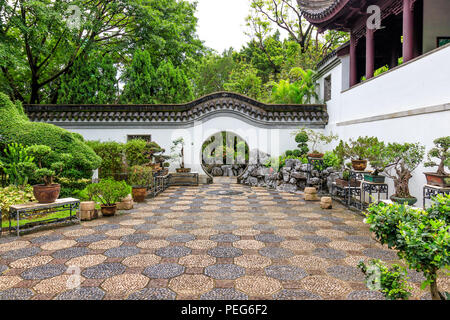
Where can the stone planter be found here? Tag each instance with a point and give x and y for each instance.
(311, 194)
(87, 211)
(437, 180)
(126, 204)
(46, 194)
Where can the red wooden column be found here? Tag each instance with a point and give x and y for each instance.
(370, 53)
(353, 62)
(408, 30)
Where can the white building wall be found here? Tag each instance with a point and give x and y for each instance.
(272, 141)
(422, 84)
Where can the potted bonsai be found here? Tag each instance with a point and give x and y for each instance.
(178, 149)
(375, 154)
(49, 166)
(109, 192)
(400, 160)
(441, 152)
(316, 138)
(357, 151)
(140, 179)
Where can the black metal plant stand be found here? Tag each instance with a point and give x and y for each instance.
(430, 191)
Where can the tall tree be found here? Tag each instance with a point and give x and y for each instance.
(244, 79)
(213, 72)
(40, 41)
(172, 85)
(139, 80)
(286, 15)
(90, 83)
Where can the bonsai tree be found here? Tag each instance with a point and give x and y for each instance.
(359, 149)
(375, 154)
(302, 139)
(316, 138)
(400, 160)
(49, 165)
(441, 151)
(140, 176)
(421, 238)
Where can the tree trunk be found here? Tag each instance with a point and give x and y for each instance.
(435, 294)
(34, 97)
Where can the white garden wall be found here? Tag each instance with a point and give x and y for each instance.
(410, 103)
(272, 141)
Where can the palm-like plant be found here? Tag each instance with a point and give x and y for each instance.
(301, 91)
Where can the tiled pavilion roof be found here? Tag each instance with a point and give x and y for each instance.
(204, 108)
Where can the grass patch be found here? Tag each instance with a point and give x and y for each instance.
(56, 215)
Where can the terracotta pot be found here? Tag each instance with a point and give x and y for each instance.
(108, 211)
(437, 180)
(46, 194)
(359, 165)
(139, 194)
(315, 155)
(183, 170)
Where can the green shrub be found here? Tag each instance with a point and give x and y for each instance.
(135, 152)
(112, 157)
(14, 195)
(17, 164)
(108, 192)
(422, 240)
(140, 176)
(330, 159)
(70, 187)
(390, 281)
(302, 139)
(15, 127)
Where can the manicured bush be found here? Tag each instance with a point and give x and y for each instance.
(135, 152)
(15, 127)
(70, 187)
(112, 157)
(302, 139)
(422, 238)
(140, 176)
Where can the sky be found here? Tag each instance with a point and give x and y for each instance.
(222, 23)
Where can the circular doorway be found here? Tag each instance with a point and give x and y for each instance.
(225, 154)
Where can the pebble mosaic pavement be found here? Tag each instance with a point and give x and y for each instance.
(202, 243)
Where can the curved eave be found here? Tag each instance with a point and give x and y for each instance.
(324, 18)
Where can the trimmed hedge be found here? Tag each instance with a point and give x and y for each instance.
(16, 127)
